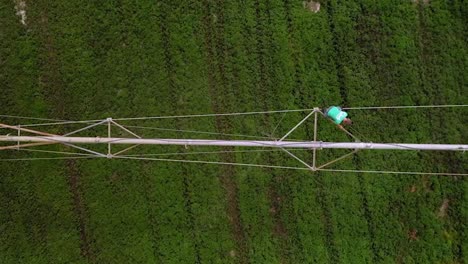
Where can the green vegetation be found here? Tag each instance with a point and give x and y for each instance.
(79, 60)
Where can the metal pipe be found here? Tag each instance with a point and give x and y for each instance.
(235, 143)
(314, 154)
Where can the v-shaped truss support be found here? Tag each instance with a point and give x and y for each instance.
(43, 138)
(111, 122)
(50, 138)
(316, 111)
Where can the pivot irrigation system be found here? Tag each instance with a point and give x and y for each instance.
(40, 138)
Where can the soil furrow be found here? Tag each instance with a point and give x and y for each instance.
(339, 54)
(215, 40)
(54, 92)
(367, 215)
(323, 201)
(50, 79)
(329, 230)
(264, 37)
(188, 209)
(294, 47)
(74, 181)
(148, 188)
(172, 75)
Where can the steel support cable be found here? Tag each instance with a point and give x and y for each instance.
(72, 145)
(124, 128)
(31, 118)
(285, 111)
(338, 159)
(58, 121)
(354, 130)
(341, 127)
(213, 115)
(149, 128)
(248, 165)
(212, 162)
(294, 168)
(390, 144)
(213, 152)
(16, 147)
(393, 172)
(63, 122)
(401, 107)
(53, 158)
(397, 172)
(276, 127)
(55, 152)
(230, 114)
(124, 150)
(298, 159)
(197, 132)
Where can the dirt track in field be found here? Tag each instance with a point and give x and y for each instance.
(213, 41)
(53, 88)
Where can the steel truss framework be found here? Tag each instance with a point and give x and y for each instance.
(43, 138)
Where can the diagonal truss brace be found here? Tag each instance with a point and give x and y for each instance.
(298, 159)
(110, 121)
(300, 123)
(51, 139)
(46, 138)
(315, 112)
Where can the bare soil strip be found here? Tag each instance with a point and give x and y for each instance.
(54, 91)
(171, 73)
(50, 78)
(148, 188)
(188, 209)
(214, 41)
(265, 74)
(79, 207)
(367, 216)
(324, 202)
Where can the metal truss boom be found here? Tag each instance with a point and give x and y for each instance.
(42, 138)
(233, 143)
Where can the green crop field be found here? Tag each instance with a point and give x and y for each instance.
(82, 60)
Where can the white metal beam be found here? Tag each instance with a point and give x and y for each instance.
(234, 143)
